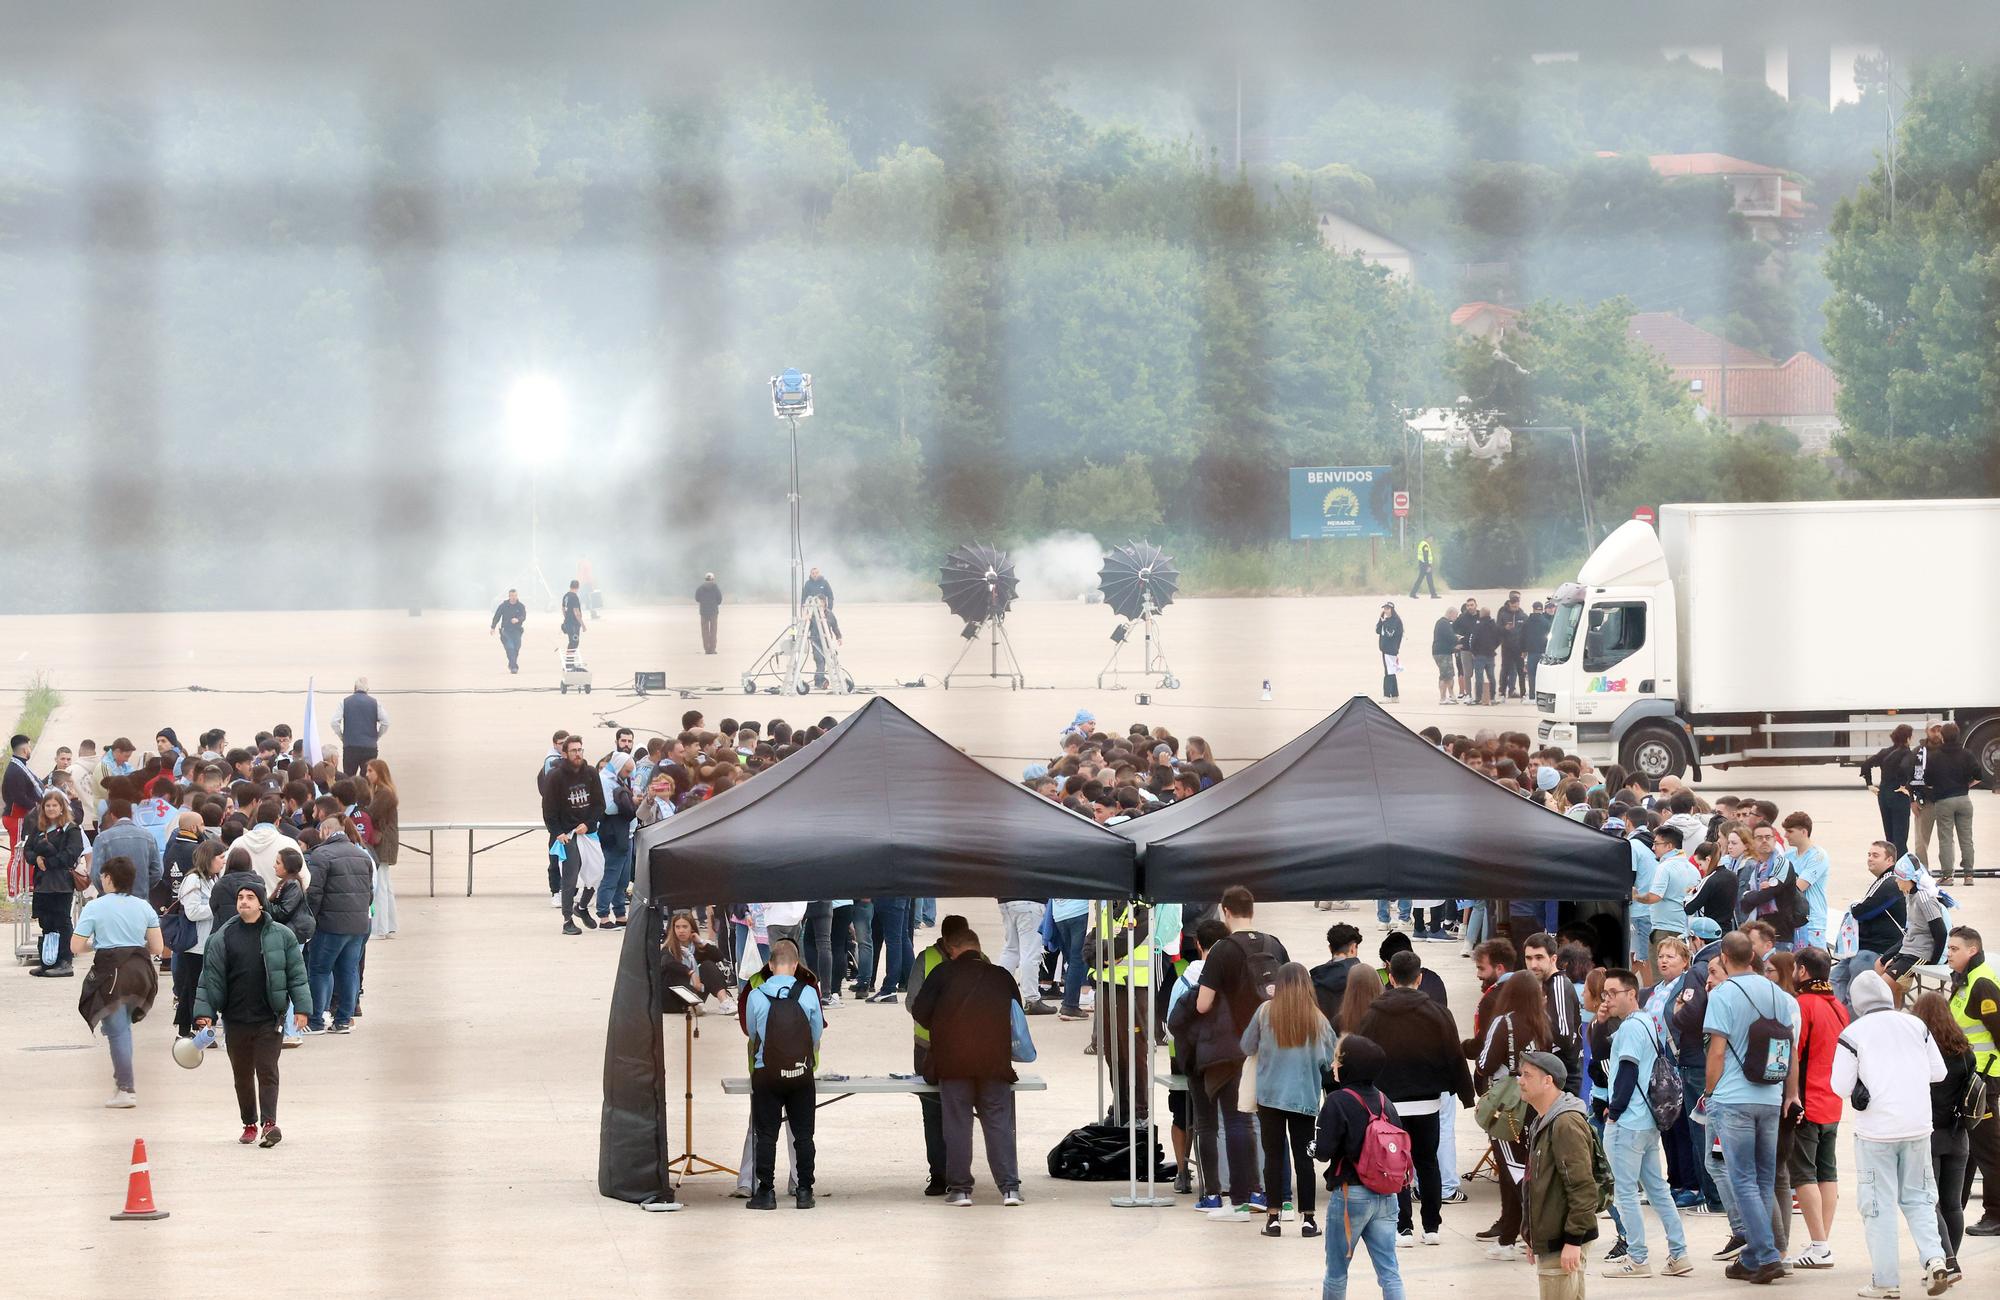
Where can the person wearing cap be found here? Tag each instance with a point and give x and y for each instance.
(1560, 1213)
(1389, 640)
(509, 618)
(708, 600)
(251, 971)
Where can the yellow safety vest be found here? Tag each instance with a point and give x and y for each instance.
(1984, 1057)
(1425, 555)
(1135, 968)
(928, 961)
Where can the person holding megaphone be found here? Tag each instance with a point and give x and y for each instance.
(251, 969)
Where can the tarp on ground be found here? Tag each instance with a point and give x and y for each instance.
(881, 806)
(1360, 806)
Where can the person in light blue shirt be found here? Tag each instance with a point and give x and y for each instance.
(1674, 881)
(1644, 864)
(1633, 1142)
(1809, 860)
(1742, 1113)
(781, 1092)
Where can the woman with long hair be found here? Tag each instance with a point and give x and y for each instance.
(1517, 1023)
(52, 854)
(681, 952)
(1951, 1147)
(1364, 985)
(385, 819)
(194, 902)
(1293, 1045)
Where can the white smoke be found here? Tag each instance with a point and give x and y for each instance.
(1061, 566)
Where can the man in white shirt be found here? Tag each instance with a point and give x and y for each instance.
(781, 921)
(1884, 1066)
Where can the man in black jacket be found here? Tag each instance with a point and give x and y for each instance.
(1330, 977)
(967, 1005)
(1538, 955)
(1535, 639)
(1423, 1072)
(509, 618)
(708, 600)
(1949, 775)
(1468, 618)
(342, 890)
(572, 805)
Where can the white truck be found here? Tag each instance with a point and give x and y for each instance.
(1753, 634)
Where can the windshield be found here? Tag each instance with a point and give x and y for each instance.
(1562, 633)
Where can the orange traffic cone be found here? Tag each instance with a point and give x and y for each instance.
(139, 1187)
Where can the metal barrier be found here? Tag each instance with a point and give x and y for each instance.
(472, 849)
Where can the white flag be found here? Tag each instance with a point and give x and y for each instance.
(311, 726)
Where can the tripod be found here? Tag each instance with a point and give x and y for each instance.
(996, 627)
(688, 1162)
(784, 660)
(1156, 650)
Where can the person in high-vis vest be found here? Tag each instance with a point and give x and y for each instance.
(1426, 567)
(921, 967)
(1975, 1005)
(1126, 967)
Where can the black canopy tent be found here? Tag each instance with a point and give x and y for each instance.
(880, 805)
(1362, 807)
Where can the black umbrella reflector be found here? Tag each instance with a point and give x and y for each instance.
(978, 582)
(1136, 576)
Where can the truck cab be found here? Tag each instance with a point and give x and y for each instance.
(1607, 686)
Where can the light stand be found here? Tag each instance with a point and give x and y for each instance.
(688, 1163)
(783, 662)
(1155, 661)
(996, 630)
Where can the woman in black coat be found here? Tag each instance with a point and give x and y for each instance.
(52, 853)
(1389, 640)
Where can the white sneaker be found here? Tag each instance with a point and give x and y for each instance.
(1880, 1293)
(1812, 1257)
(832, 1003)
(1940, 1278)
(1288, 1213)
(122, 1100)
(555, 900)
(1429, 1239)
(1405, 1240)
(1012, 1197)
(1499, 1252)
(1627, 1267)
(1233, 1213)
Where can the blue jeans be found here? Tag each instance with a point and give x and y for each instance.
(1635, 1163)
(1069, 942)
(1371, 1218)
(333, 972)
(1382, 910)
(926, 911)
(1597, 1126)
(1447, 1147)
(1750, 1155)
(862, 917)
(895, 917)
(1476, 929)
(118, 1033)
(1892, 1176)
(615, 834)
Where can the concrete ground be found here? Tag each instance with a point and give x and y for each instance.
(450, 1143)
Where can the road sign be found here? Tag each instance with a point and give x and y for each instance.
(1644, 514)
(1402, 504)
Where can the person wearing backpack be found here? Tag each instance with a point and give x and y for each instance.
(1645, 1090)
(1954, 1112)
(1293, 1045)
(1358, 1135)
(1238, 975)
(782, 1016)
(1885, 1064)
(1565, 1188)
(1424, 1074)
(1816, 1111)
(1750, 1024)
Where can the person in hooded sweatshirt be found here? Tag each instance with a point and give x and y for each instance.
(263, 841)
(1329, 978)
(1423, 1072)
(1884, 1068)
(1355, 1214)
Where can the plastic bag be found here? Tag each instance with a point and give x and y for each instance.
(590, 861)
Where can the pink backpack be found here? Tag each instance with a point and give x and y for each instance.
(1385, 1166)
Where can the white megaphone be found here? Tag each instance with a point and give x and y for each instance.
(188, 1052)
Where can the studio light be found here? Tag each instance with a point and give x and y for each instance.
(977, 583)
(1138, 581)
(1118, 633)
(970, 631)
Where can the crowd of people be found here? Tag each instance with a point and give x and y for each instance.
(250, 875)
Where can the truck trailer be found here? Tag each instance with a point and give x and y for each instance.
(1763, 634)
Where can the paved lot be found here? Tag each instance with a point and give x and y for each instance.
(450, 1143)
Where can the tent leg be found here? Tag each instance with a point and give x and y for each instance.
(1101, 1014)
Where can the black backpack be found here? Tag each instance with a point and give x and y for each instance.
(1260, 962)
(1767, 1057)
(788, 1040)
(1666, 1091)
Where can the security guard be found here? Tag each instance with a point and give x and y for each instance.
(1125, 967)
(1975, 1005)
(926, 962)
(1426, 567)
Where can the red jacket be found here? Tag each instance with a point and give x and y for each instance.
(1821, 1018)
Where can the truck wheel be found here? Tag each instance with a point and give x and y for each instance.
(1984, 743)
(1654, 752)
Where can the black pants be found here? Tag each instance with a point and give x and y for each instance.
(1203, 1119)
(1236, 1138)
(253, 1060)
(573, 631)
(1534, 665)
(708, 632)
(933, 1109)
(1985, 1158)
(1895, 810)
(187, 980)
(1510, 1191)
(53, 914)
(353, 757)
(1282, 1128)
(1424, 577)
(1424, 1132)
(775, 1101)
(1950, 1151)
(1510, 671)
(816, 944)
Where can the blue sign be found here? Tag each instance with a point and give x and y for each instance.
(1335, 502)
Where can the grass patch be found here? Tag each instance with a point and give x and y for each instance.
(1325, 568)
(37, 707)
